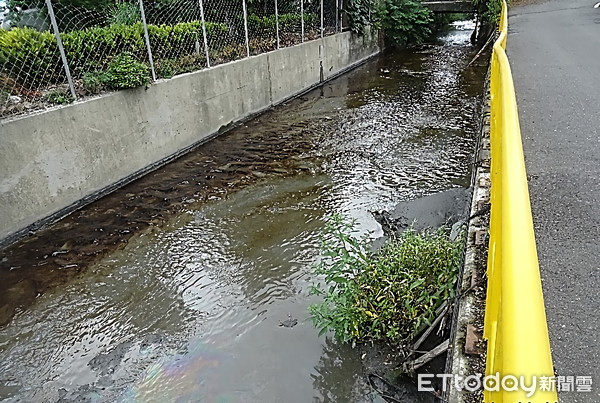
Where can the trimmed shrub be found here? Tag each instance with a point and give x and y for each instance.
(287, 23)
(93, 82)
(93, 48)
(30, 56)
(59, 97)
(124, 71)
(171, 41)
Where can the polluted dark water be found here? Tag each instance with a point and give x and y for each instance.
(178, 286)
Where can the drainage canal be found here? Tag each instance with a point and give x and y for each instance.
(174, 287)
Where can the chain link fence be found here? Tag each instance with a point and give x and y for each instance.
(177, 36)
(31, 67)
(311, 20)
(53, 52)
(262, 27)
(289, 19)
(330, 17)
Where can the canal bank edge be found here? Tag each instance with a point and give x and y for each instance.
(466, 355)
(59, 160)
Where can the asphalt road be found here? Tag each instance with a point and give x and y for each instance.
(554, 50)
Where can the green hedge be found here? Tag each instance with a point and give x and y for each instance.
(287, 23)
(31, 55)
(31, 58)
(291, 22)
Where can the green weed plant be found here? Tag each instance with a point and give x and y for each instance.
(385, 296)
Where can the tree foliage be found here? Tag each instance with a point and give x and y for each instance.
(489, 9)
(404, 21)
(360, 13)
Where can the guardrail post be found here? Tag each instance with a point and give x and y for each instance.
(204, 33)
(61, 48)
(246, 28)
(147, 39)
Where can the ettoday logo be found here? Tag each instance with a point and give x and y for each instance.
(496, 382)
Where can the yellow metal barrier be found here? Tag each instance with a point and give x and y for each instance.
(515, 318)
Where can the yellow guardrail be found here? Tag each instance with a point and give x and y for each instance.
(515, 318)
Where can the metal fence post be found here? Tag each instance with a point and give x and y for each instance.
(147, 37)
(61, 48)
(246, 27)
(337, 14)
(204, 33)
(341, 16)
(322, 27)
(277, 23)
(302, 18)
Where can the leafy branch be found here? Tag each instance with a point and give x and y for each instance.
(385, 296)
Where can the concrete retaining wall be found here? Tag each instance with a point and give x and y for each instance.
(53, 162)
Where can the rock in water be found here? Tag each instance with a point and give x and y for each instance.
(289, 322)
(443, 208)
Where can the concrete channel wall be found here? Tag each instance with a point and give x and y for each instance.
(53, 162)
